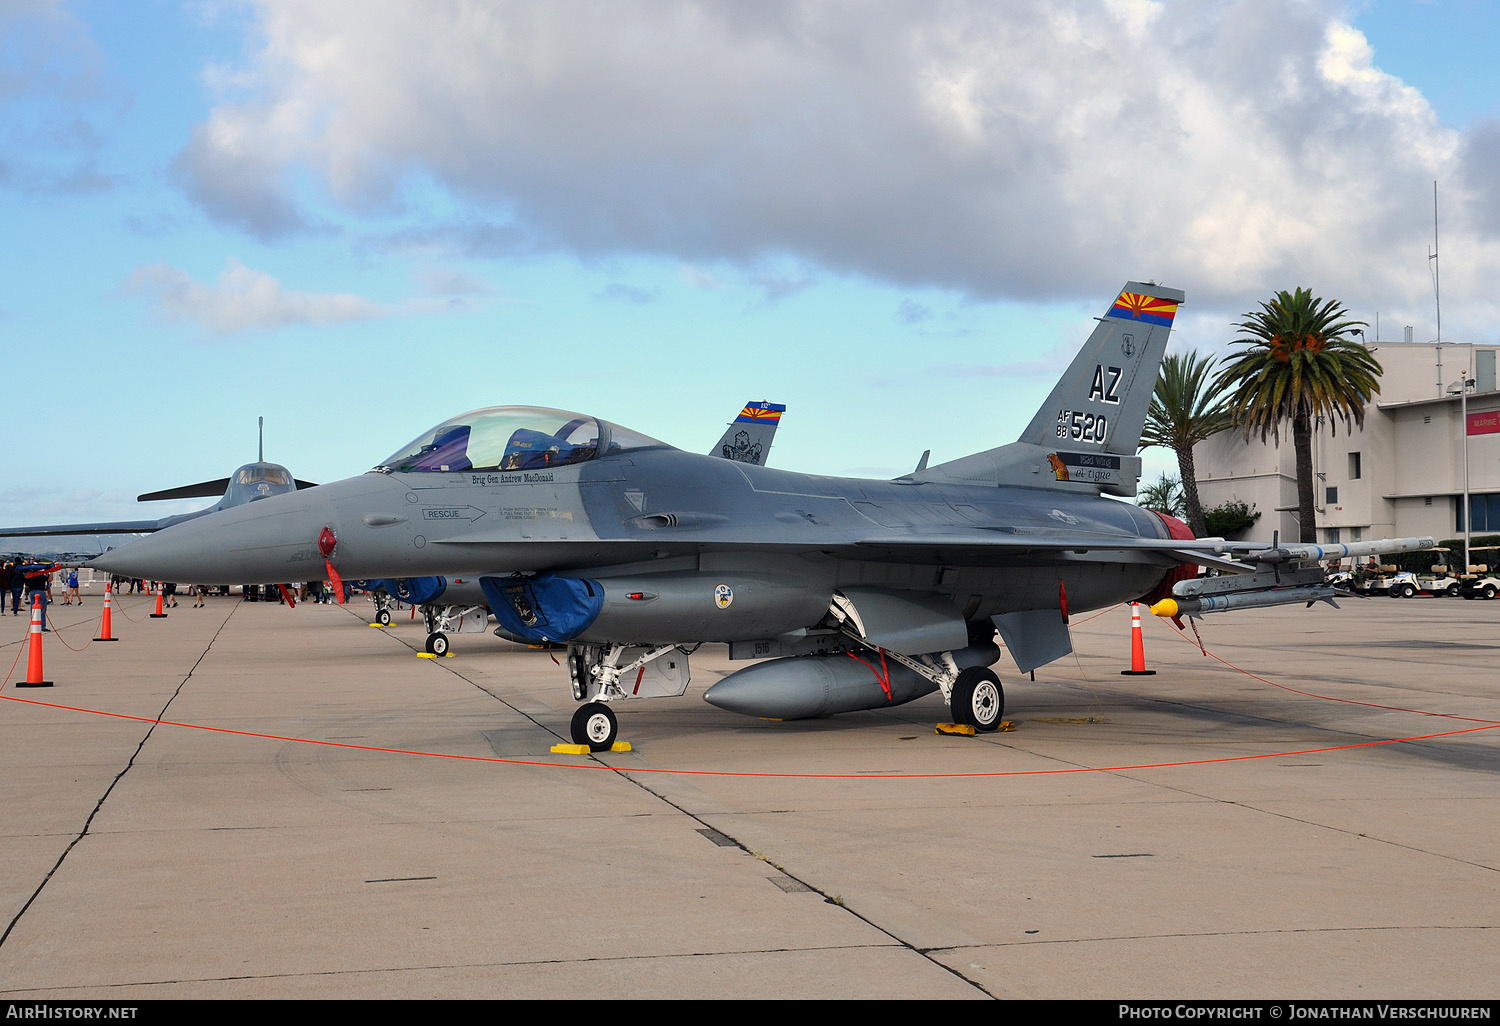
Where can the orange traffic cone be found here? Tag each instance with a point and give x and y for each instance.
(34, 658)
(1137, 647)
(104, 622)
(159, 614)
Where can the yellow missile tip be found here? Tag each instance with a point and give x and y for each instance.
(1166, 607)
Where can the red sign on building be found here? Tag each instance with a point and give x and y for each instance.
(1484, 423)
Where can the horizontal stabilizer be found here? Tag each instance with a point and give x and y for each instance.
(202, 490)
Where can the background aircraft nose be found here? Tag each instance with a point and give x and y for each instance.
(266, 542)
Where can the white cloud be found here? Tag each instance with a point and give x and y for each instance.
(1033, 149)
(243, 299)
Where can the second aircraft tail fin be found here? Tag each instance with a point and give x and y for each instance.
(748, 438)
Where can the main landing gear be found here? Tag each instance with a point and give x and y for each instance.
(977, 699)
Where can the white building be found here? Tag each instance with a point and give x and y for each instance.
(1401, 475)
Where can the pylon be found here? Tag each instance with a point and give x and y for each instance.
(34, 658)
(1137, 647)
(104, 622)
(160, 614)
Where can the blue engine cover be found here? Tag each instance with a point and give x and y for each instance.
(546, 608)
(414, 591)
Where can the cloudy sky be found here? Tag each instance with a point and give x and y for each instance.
(358, 218)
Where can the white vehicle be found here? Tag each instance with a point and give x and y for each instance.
(1479, 582)
(1480, 587)
(1409, 585)
(1438, 583)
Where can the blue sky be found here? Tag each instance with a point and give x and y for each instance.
(359, 218)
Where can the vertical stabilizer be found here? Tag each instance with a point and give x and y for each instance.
(1101, 401)
(748, 438)
(1086, 434)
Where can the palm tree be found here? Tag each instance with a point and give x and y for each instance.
(1165, 496)
(1301, 366)
(1186, 408)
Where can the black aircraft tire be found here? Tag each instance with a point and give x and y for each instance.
(978, 699)
(437, 643)
(594, 725)
(383, 618)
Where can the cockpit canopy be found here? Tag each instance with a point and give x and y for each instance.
(257, 481)
(254, 473)
(513, 438)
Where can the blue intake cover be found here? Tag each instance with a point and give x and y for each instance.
(414, 591)
(546, 608)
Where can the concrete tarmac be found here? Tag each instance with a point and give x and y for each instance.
(1197, 833)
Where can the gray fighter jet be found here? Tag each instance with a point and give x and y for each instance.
(258, 480)
(857, 594)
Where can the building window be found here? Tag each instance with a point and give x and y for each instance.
(1333, 535)
(1354, 466)
(1356, 534)
(1331, 497)
(1485, 510)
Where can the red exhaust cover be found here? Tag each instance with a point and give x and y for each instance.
(1183, 572)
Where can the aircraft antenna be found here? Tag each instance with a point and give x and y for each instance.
(262, 456)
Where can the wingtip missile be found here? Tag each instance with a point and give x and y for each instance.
(1197, 606)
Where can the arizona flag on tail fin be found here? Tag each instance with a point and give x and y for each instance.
(1138, 306)
(760, 413)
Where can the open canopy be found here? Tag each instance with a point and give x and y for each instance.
(513, 438)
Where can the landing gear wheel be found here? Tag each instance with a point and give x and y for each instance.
(437, 643)
(383, 618)
(978, 700)
(594, 725)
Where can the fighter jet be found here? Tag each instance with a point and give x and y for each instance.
(858, 594)
(453, 603)
(253, 481)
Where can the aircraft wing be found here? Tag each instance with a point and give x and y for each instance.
(116, 527)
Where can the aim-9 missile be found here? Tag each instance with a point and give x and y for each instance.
(1283, 574)
(1308, 550)
(1244, 600)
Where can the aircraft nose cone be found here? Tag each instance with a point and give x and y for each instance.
(265, 542)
